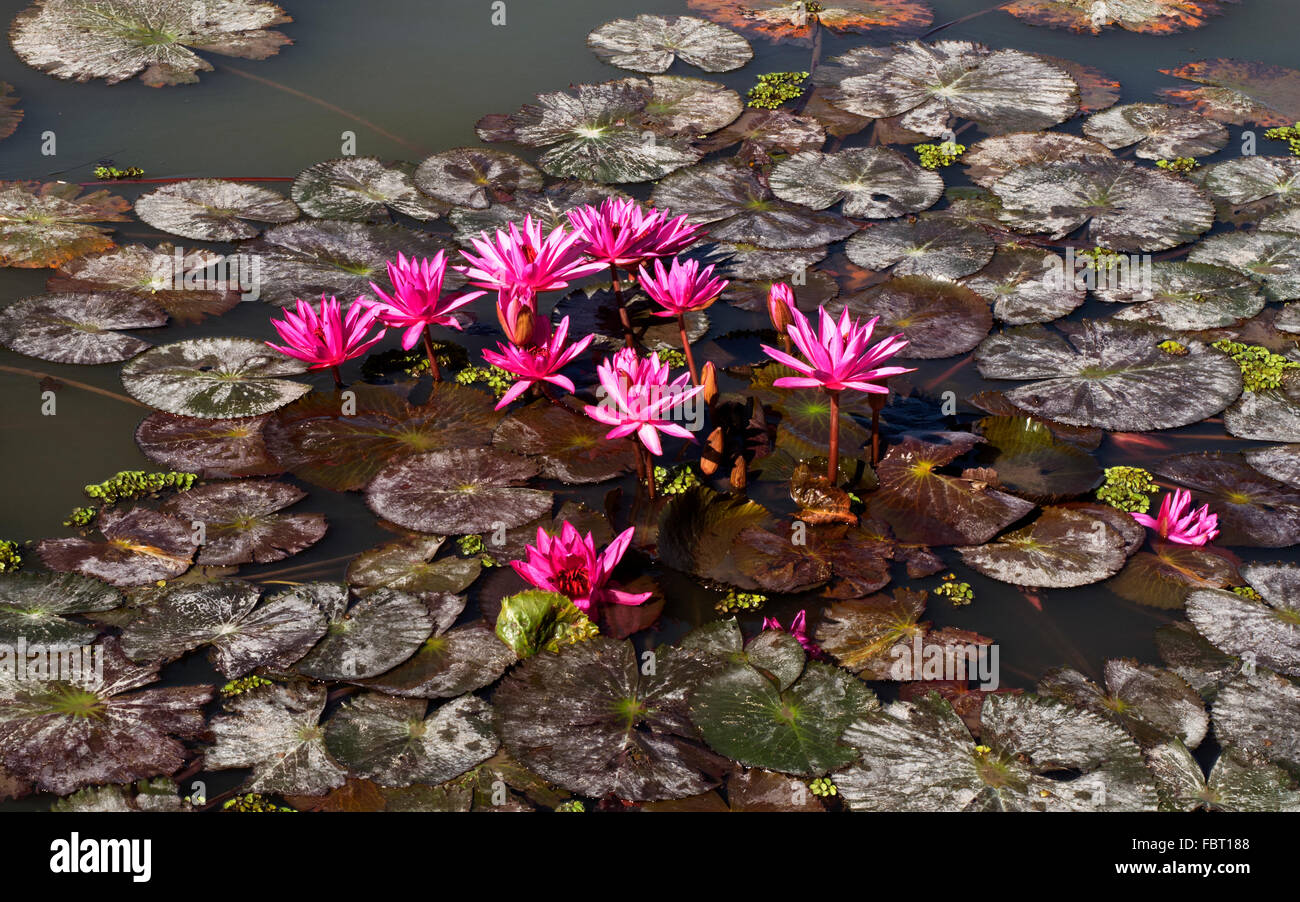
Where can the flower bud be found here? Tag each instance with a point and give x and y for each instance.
(520, 322)
(780, 301)
(709, 379)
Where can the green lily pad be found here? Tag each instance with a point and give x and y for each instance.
(699, 528)
(213, 209)
(652, 43)
(218, 378)
(33, 605)
(1252, 509)
(534, 621)
(210, 449)
(241, 525)
(451, 663)
(1015, 282)
(1151, 704)
(379, 632)
(1160, 131)
(49, 224)
(363, 189)
(140, 546)
(873, 182)
(936, 246)
(78, 328)
(475, 177)
(1061, 549)
(569, 445)
(1187, 297)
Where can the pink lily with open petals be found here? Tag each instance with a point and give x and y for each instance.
(518, 260)
(417, 302)
(568, 564)
(622, 233)
(637, 394)
(838, 357)
(682, 288)
(327, 337)
(1176, 523)
(538, 363)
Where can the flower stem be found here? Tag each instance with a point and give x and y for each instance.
(877, 405)
(338, 379)
(686, 346)
(833, 464)
(433, 358)
(622, 310)
(649, 472)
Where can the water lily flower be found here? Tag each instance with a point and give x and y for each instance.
(327, 338)
(636, 395)
(541, 362)
(798, 628)
(836, 359)
(680, 289)
(1175, 523)
(780, 301)
(523, 260)
(568, 564)
(517, 314)
(622, 233)
(417, 304)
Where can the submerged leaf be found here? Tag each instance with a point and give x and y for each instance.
(1239, 92)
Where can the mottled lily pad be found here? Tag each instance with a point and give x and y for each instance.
(1269, 257)
(763, 134)
(408, 565)
(652, 43)
(1252, 509)
(1250, 188)
(49, 224)
(990, 159)
(1112, 375)
(1142, 16)
(1160, 131)
(547, 207)
(1239, 92)
(475, 177)
(698, 529)
(450, 663)
(225, 616)
(363, 189)
(78, 328)
(594, 311)
(213, 209)
(873, 182)
(1061, 549)
(383, 629)
(1235, 783)
(77, 40)
(218, 378)
(853, 561)
(1267, 631)
(241, 525)
(33, 607)
(938, 317)
(1163, 578)
(140, 546)
(936, 246)
(1185, 296)
(1269, 415)
(861, 634)
(569, 445)
(1280, 462)
(211, 449)
(690, 106)
(1259, 714)
(1151, 704)
(1017, 281)
(1190, 655)
(186, 283)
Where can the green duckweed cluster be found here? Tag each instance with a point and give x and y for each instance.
(1247, 592)
(571, 805)
(474, 546)
(959, 593)
(677, 480)
(823, 788)
(10, 560)
(776, 88)
(495, 378)
(253, 802)
(130, 484)
(1127, 489)
(1261, 369)
(81, 517)
(1178, 164)
(1100, 257)
(740, 601)
(413, 363)
(111, 173)
(675, 359)
(242, 685)
(936, 156)
(1288, 133)
(1170, 346)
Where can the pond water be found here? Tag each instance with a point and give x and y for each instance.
(411, 77)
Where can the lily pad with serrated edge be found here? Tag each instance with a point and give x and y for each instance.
(241, 523)
(922, 505)
(47, 224)
(1269, 257)
(750, 262)
(1124, 207)
(475, 177)
(1280, 462)
(1190, 655)
(381, 630)
(1284, 220)
(1159, 131)
(1032, 462)
(460, 660)
(1248, 189)
(213, 209)
(1235, 783)
(653, 43)
(362, 189)
(990, 159)
(690, 107)
(63, 735)
(1142, 16)
(861, 633)
(698, 528)
(409, 565)
(218, 378)
(1252, 509)
(569, 445)
(74, 40)
(620, 732)
(819, 288)
(931, 85)
(224, 615)
(873, 182)
(1097, 90)
(784, 20)
(211, 449)
(939, 318)
(1259, 714)
(457, 492)
(186, 283)
(1017, 282)
(760, 133)
(739, 208)
(1239, 92)
(1151, 704)
(1163, 578)
(78, 328)
(1111, 375)
(1241, 626)
(1184, 296)
(547, 207)
(276, 731)
(327, 256)
(1035, 754)
(934, 246)
(341, 443)
(1061, 549)
(33, 605)
(140, 546)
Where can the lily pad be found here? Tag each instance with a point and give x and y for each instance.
(457, 492)
(534, 621)
(1142, 16)
(450, 663)
(1160, 131)
(1035, 754)
(1016, 282)
(938, 317)
(620, 732)
(33, 607)
(213, 209)
(1163, 578)
(1268, 257)
(570, 446)
(1123, 206)
(218, 378)
(652, 43)
(699, 528)
(1151, 704)
(1269, 415)
(341, 442)
(1236, 783)
(1030, 461)
(383, 629)
(225, 616)
(1268, 630)
(363, 189)
(1252, 509)
(1250, 188)
(784, 20)
(862, 634)
(140, 546)
(873, 182)
(1111, 375)
(63, 735)
(75, 40)
(49, 224)
(241, 525)
(934, 246)
(690, 106)
(990, 159)
(408, 565)
(1280, 462)
(1061, 549)
(1190, 655)
(765, 134)
(1239, 92)
(210, 449)
(853, 562)
(276, 731)
(1186, 296)
(78, 328)
(1259, 714)
(594, 311)
(475, 177)
(187, 284)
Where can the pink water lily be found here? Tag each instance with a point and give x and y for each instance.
(836, 359)
(1176, 523)
(569, 564)
(541, 362)
(417, 304)
(622, 233)
(680, 289)
(523, 260)
(519, 319)
(798, 629)
(780, 301)
(328, 337)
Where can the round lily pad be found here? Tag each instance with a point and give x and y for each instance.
(569, 445)
(241, 525)
(1163, 578)
(451, 663)
(1186, 296)
(475, 177)
(935, 246)
(211, 449)
(49, 224)
(408, 565)
(140, 546)
(1240, 626)
(547, 207)
(1236, 782)
(78, 328)
(33, 605)
(1160, 131)
(652, 43)
(1268, 257)
(1142, 16)
(362, 189)
(218, 378)
(873, 182)
(1259, 714)
(690, 106)
(1031, 461)
(383, 629)
(784, 20)
(1061, 549)
(1250, 188)
(938, 317)
(1017, 282)
(765, 133)
(213, 209)
(990, 159)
